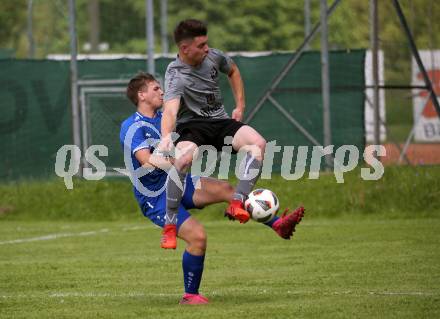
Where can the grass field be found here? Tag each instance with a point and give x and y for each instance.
(366, 249)
(344, 267)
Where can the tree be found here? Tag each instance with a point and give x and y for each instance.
(12, 23)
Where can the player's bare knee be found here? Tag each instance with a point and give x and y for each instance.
(262, 146)
(183, 163)
(199, 240)
(259, 148)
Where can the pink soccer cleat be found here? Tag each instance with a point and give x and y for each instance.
(193, 299)
(285, 225)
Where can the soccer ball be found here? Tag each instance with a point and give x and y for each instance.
(262, 205)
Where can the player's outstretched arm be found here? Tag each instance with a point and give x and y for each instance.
(237, 87)
(148, 160)
(168, 123)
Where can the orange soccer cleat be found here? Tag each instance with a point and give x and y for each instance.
(236, 211)
(169, 237)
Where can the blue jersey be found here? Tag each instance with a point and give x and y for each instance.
(145, 133)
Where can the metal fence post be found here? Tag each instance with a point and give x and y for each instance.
(325, 81)
(150, 35)
(74, 79)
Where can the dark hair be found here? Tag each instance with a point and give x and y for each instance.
(189, 29)
(135, 85)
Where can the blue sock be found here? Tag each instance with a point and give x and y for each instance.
(192, 272)
(270, 222)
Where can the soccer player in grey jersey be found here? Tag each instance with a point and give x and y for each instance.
(199, 89)
(193, 107)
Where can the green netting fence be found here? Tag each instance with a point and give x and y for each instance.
(36, 115)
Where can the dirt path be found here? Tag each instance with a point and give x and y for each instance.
(418, 154)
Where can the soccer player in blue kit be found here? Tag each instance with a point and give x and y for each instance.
(139, 136)
(193, 108)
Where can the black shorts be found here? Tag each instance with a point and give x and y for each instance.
(208, 131)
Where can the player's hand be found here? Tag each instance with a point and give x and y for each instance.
(165, 145)
(237, 114)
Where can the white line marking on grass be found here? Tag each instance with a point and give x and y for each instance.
(136, 228)
(54, 236)
(403, 293)
(110, 294)
(89, 233)
(91, 295)
(259, 291)
(63, 235)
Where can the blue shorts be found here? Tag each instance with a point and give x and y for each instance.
(156, 213)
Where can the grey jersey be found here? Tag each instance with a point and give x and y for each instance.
(198, 87)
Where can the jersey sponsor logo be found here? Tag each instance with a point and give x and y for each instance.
(210, 99)
(208, 111)
(214, 73)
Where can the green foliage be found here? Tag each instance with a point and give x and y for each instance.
(399, 115)
(248, 25)
(12, 22)
(340, 268)
(122, 22)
